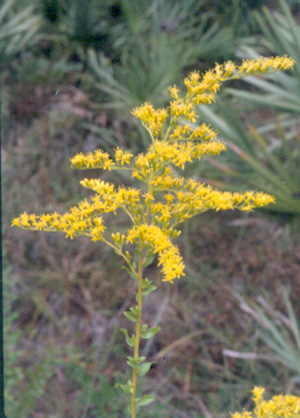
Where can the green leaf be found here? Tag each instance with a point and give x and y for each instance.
(145, 400)
(130, 340)
(132, 274)
(135, 361)
(133, 313)
(149, 290)
(126, 388)
(130, 316)
(129, 408)
(147, 287)
(143, 368)
(148, 260)
(148, 333)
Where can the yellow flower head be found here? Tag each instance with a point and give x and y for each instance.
(257, 394)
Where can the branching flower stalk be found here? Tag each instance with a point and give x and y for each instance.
(163, 199)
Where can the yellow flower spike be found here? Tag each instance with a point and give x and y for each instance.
(229, 68)
(116, 238)
(237, 415)
(16, 222)
(148, 198)
(174, 92)
(257, 394)
(159, 242)
(78, 160)
(25, 219)
(263, 65)
(153, 119)
(96, 159)
(82, 225)
(204, 98)
(70, 233)
(99, 224)
(194, 77)
(96, 235)
(188, 85)
(122, 157)
(169, 198)
(245, 414)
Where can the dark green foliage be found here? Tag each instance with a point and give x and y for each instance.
(238, 14)
(51, 10)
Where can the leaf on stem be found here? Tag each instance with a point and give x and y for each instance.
(147, 287)
(133, 314)
(148, 333)
(128, 388)
(143, 369)
(148, 259)
(130, 340)
(145, 400)
(134, 362)
(130, 272)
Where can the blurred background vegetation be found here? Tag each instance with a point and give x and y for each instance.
(71, 72)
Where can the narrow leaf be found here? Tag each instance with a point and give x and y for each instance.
(143, 368)
(148, 260)
(135, 361)
(145, 400)
(149, 333)
(129, 340)
(130, 316)
(133, 314)
(132, 274)
(147, 287)
(126, 388)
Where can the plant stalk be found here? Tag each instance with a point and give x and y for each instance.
(137, 334)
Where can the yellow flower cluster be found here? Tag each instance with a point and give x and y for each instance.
(101, 159)
(185, 199)
(263, 65)
(280, 406)
(153, 119)
(96, 159)
(202, 90)
(186, 132)
(159, 242)
(165, 199)
(70, 223)
(179, 154)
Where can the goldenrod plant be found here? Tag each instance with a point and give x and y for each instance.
(162, 198)
(280, 406)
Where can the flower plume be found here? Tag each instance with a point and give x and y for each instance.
(161, 199)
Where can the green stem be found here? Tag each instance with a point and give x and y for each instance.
(137, 335)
